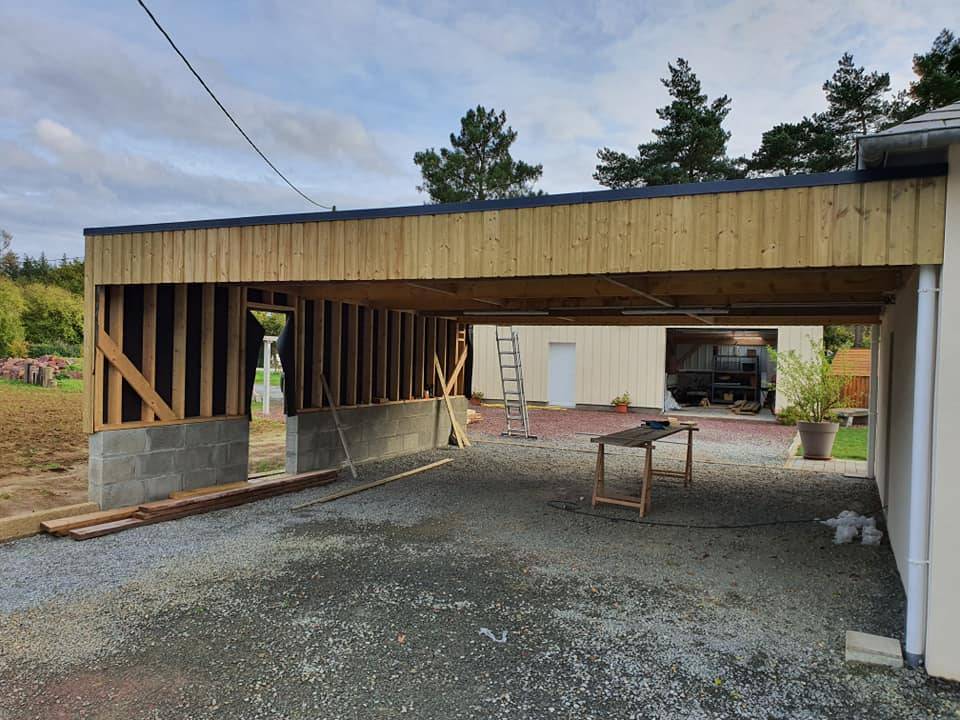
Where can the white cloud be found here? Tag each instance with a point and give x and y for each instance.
(102, 124)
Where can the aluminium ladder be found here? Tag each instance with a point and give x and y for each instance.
(511, 382)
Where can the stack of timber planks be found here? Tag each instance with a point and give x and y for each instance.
(107, 522)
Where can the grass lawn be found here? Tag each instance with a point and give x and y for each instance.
(851, 444)
(274, 377)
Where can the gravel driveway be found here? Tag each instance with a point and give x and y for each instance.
(372, 607)
(736, 441)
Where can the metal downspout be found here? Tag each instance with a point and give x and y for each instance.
(921, 461)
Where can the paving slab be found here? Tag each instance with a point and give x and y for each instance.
(863, 647)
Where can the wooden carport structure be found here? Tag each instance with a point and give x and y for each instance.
(376, 294)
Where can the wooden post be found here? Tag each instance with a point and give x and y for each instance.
(317, 387)
(419, 342)
(406, 361)
(332, 388)
(353, 341)
(206, 351)
(234, 321)
(99, 379)
(266, 376)
(114, 378)
(149, 360)
(179, 385)
(366, 373)
(381, 385)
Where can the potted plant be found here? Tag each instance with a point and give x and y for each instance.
(813, 391)
(621, 402)
(476, 398)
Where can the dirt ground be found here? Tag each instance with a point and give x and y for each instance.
(43, 451)
(375, 606)
(268, 443)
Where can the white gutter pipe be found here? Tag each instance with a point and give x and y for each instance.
(921, 461)
(873, 402)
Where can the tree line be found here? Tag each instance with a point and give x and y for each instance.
(41, 304)
(41, 308)
(691, 145)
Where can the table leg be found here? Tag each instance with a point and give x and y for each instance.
(647, 482)
(598, 489)
(688, 470)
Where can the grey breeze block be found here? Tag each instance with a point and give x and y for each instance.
(134, 465)
(372, 431)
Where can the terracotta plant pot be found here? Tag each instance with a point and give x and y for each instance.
(621, 408)
(476, 401)
(817, 439)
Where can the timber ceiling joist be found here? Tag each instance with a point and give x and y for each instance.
(662, 298)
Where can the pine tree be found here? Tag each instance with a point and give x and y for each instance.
(479, 165)
(690, 147)
(856, 99)
(857, 104)
(938, 78)
(808, 146)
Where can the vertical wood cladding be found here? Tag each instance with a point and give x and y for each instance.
(370, 355)
(197, 364)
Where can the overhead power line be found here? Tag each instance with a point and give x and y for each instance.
(227, 112)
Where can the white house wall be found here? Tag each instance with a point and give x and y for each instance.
(610, 360)
(895, 415)
(943, 621)
(797, 339)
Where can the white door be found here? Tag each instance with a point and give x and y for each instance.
(562, 374)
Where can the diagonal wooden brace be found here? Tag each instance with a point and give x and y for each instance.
(114, 355)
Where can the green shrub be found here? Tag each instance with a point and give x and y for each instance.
(60, 349)
(810, 386)
(11, 324)
(789, 416)
(52, 315)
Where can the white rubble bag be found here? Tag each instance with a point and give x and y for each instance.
(849, 524)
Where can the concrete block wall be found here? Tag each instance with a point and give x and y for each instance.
(372, 432)
(136, 465)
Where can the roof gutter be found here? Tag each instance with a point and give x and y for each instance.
(872, 150)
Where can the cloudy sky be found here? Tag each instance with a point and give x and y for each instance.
(100, 123)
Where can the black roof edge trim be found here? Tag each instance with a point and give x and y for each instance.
(781, 182)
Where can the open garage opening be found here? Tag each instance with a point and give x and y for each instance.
(721, 372)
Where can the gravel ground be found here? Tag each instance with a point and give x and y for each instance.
(371, 607)
(733, 441)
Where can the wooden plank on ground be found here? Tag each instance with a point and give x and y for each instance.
(64, 525)
(376, 483)
(93, 531)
